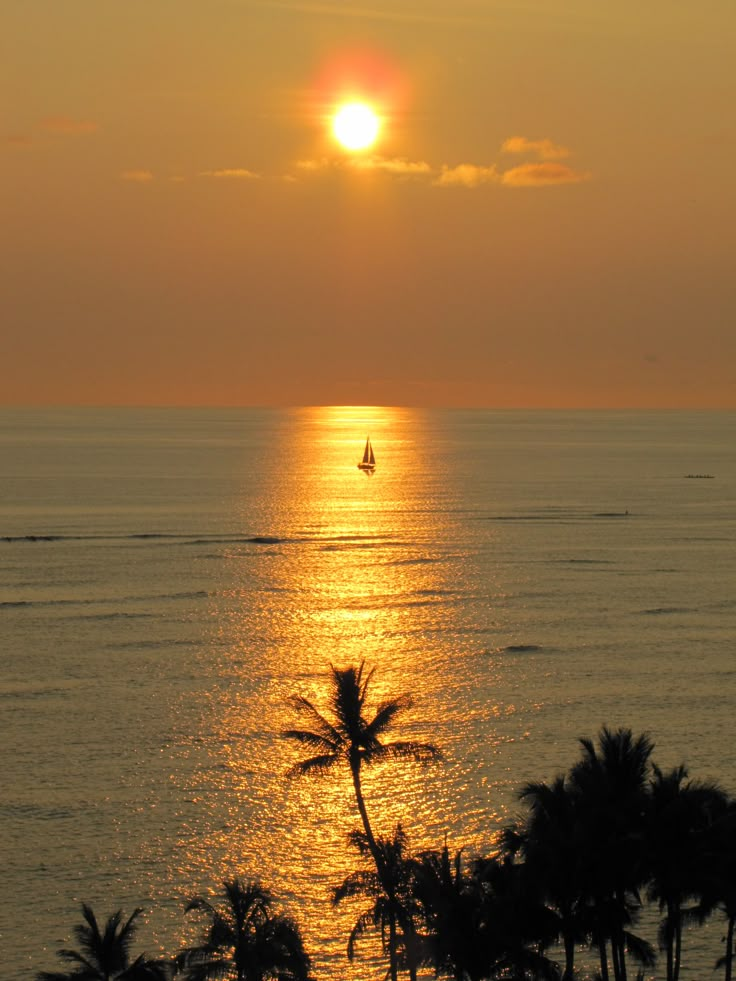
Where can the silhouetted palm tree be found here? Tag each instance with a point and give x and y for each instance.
(517, 927)
(393, 910)
(104, 954)
(681, 817)
(348, 737)
(610, 783)
(246, 940)
(719, 890)
(488, 923)
(452, 910)
(548, 839)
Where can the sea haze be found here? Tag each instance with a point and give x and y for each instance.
(169, 577)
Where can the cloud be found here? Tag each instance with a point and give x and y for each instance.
(312, 165)
(66, 126)
(397, 166)
(237, 173)
(137, 176)
(467, 175)
(18, 139)
(377, 13)
(542, 174)
(545, 149)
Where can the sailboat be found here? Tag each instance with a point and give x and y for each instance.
(368, 463)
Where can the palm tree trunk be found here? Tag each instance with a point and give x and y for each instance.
(616, 957)
(670, 949)
(380, 870)
(355, 771)
(678, 946)
(729, 947)
(569, 958)
(392, 948)
(603, 953)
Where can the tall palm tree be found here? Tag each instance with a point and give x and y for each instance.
(104, 953)
(350, 738)
(245, 939)
(682, 813)
(610, 782)
(347, 736)
(548, 839)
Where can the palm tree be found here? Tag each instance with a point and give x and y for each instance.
(681, 814)
(347, 737)
(352, 739)
(394, 909)
(104, 954)
(548, 838)
(246, 940)
(486, 923)
(517, 927)
(610, 783)
(452, 909)
(719, 891)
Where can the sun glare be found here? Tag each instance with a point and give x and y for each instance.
(355, 126)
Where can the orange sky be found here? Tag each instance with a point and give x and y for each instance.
(547, 218)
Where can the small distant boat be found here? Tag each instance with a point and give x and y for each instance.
(699, 476)
(368, 463)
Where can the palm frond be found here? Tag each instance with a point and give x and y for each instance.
(641, 950)
(315, 764)
(416, 752)
(323, 726)
(313, 739)
(362, 924)
(74, 957)
(386, 713)
(358, 883)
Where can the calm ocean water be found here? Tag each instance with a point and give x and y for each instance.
(169, 577)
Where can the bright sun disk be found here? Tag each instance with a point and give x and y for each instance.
(355, 126)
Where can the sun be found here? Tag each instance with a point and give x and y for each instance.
(355, 126)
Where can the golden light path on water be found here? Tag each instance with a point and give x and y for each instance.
(364, 568)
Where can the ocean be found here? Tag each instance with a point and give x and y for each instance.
(169, 577)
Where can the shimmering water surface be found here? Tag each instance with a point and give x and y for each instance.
(169, 577)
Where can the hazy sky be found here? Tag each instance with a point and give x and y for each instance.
(546, 219)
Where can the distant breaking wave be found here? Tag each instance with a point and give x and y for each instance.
(149, 536)
(108, 601)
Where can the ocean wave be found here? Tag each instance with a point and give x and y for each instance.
(420, 560)
(107, 600)
(587, 561)
(664, 610)
(145, 536)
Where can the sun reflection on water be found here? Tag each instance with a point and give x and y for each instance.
(350, 568)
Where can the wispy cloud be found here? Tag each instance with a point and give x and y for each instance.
(236, 173)
(377, 13)
(544, 149)
(542, 174)
(66, 126)
(467, 175)
(398, 166)
(17, 139)
(137, 176)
